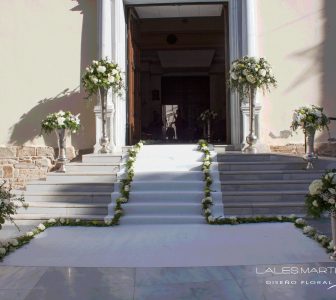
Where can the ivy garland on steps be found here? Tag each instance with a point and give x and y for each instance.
(125, 184)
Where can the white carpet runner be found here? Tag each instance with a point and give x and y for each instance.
(168, 187)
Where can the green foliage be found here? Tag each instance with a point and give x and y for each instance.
(9, 203)
(322, 194)
(61, 120)
(103, 74)
(251, 73)
(309, 118)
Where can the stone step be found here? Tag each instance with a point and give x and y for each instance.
(259, 157)
(261, 166)
(24, 216)
(262, 185)
(162, 219)
(68, 197)
(64, 209)
(81, 177)
(52, 187)
(169, 176)
(102, 158)
(181, 208)
(105, 168)
(264, 196)
(264, 208)
(270, 175)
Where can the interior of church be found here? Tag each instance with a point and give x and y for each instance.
(178, 61)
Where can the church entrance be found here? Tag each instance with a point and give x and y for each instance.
(177, 68)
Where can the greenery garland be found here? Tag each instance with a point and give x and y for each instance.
(125, 184)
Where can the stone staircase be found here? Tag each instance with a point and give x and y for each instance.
(83, 192)
(265, 184)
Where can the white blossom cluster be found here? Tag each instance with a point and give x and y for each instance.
(61, 120)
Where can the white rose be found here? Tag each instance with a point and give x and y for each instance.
(62, 221)
(41, 227)
(233, 218)
(95, 62)
(108, 221)
(60, 121)
(126, 188)
(94, 79)
(292, 216)
(331, 245)
(262, 72)
(30, 234)
(207, 163)
(2, 251)
(318, 113)
(300, 221)
(78, 220)
(114, 72)
(111, 79)
(250, 79)
(14, 242)
(101, 69)
(331, 201)
(332, 191)
(51, 221)
(208, 211)
(211, 219)
(308, 229)
(234, 76)
(245, 72)
(315, 187)
(315, 203)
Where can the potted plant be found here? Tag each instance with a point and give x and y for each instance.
(309, 119)
(62, 123)
(322, 198)
(206, 117)
(100, 77)
(248, 74)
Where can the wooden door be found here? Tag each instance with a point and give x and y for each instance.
(134, 101)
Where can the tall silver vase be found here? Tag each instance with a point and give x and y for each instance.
(251, 139)
(104, 140)
(333, 232)
(61, 138)
(310, 155)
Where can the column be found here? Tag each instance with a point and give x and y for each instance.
(234, 38)
(105, 50)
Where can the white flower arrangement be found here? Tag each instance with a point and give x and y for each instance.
(249, 73)
(51, 221)
(2, 251)
(41, 227)
(102, 74)
(308, 230)
(309, 118)
(322, 194)
(61, 120)
(208, 115)
(300, 221)
(30, 234)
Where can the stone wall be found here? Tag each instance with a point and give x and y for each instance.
(21, 164)
(322, 149)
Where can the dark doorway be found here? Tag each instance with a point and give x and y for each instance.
(189, 96)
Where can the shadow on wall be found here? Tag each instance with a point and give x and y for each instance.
(29, 126)
(323, 62)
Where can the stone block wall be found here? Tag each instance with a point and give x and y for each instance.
(322, 149)
(20, 164)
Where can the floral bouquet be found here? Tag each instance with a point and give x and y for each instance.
(322, 194)
(102, 74)
(9, 204)
(309, 118)
(208, 115)
(61, 120)
(249, 73)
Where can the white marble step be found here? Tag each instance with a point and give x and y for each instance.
(162, 219)
(102, 158)
(261, 166)
(162, 208)
(105, 168)
(265, 196)
(81, 177)
(270, 175)
(47, 216)
(52, 187)
(64, 209)
(68, 197)
(262, 185)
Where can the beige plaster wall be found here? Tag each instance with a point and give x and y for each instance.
(45, 45)
(298, 37)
